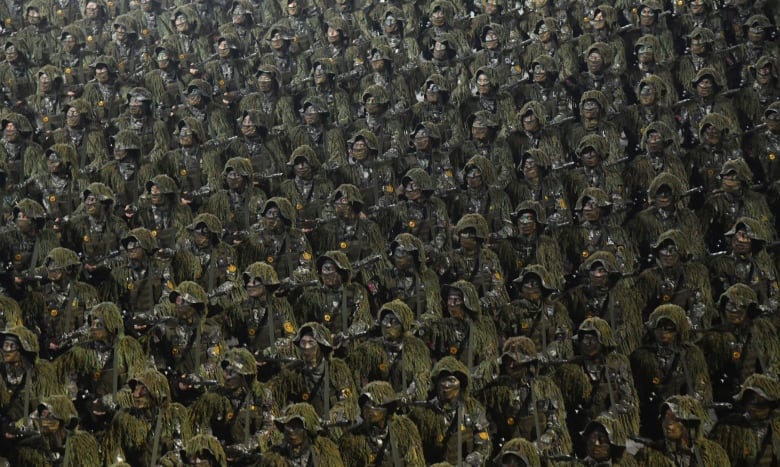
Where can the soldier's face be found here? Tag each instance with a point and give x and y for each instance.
(491, 40)
(665, 333)
(730, 182)
(10, 132)
(255, 288)
(531, 288)
(248, 128)
(590, 112)
(698, 46)
(712, 135)
(334, 35)
(530, 169)
(134, 250)
(455, 305)
(33, 16)
(511, 460)
(599, 22)
(232, 376)
(672, 427)
(422, 140)
(697, 7)
(101, 73)
(539, 73)
(412, 191)
(49, 424)
(182, 25)
(589, 344)
(402, 259)
(530, 122)
(773, 122)
(155, 196)
(468, 240)
(756, 33)
(359, 150)
(591, 211)
(378, 64)
(146, 5)
(272, 219)
(736, 314)
(705, 87)
(320, 77)
(201, 237)
(73, 118)
(55, 273)
(311, 116)
(343, 208)
(764, 75)
(391, 327)
(136, 107)
(330, 275)
(437, 18)
(292, 8)
(235, 181)
(599, 276)
(44, 83)
(223, 49)
(294, 433)
(741, 243)
(597, 445)
(490, 7)
(97, 329)
(92, 204)
(439, 51)
(276, 41)
(12, 350)
(92, 10)
(374, 414)
(664, 199)
(303, 168)
(483, 84)
(142, 398)
(186, 138)
(372, 105)
(184, 309)
(645, 54)
(655, 143)
(669, 255)
(68, 43)
(526, 224)
(194, 99)
(595, 62)
(757, 407)
(120, 34)
(647, 95)
(310, 348)
(120, 154)
(448, 388)
(479, 131)
(474, 178)
(646, 17)
(590, 158)
(23, 223)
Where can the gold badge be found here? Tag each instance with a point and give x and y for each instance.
(216, 350)
(183, 172)
(182, 57)
(439, 438)
(383, 367)
(153, 233)
(307, 256)
(54, 312)
(519, 264)
(85, 238)
(412, 224)
(736, 355)
(221, 83)
(666, 297)
(327, 317)
(453, 350)
(59, 12)
(232, 268)
(772, 156)
(8, 21)
(288, 327)
(52, 198)
(343, 245)
(448, 173)
(510, 421)
(96, 375)
(372, 458)
(269, 260)
(101, 103)
(389, 188)
(524, 324)
(90, 39)
(252, 331)
(230, 416)
(299, 206)
(45, 119)
(175, 350)
(145, 32)
(18, 257)
(497, 275)
(68, 71)
(585, 253)
(483, 435)
(130, 286)
(305, 396)
(170, 285)
(656, 380)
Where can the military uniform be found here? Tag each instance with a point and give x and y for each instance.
(307, 189)
(315, 449)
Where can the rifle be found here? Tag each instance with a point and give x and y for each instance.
(74, 337)
(287, 285)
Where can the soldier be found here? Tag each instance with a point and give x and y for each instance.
(200, 106)
(719, 142)
(518, 452)
(398, 356)
(97, 367)
(536, 313)
(229, 73)
(735, 198)
(752, 101)
(478, 196)
(758, 43)
(58, 189)
(73, 59)
(383, 438)
(318, 378)
(262, 320)
(600, 24)
(16, 73)
(537, 131)
(382, 72)
(465, 332)
(442, 57)
(706, 97)
(606, 295)
(668, 364)
(684, 424)
(55, 422)
(140, 118)
(549, 40)
(205, 448)
(408, 279)
(166, 82)
(46, 106)
(304, 441)
(748, 263)
(425, 151)
(677, 279)
(236, 203)
(264, 150)
(22, 157)
(763, 148)
(239, 409)
(600, 76)
(649, 21)
(276, 239)
(594, 113)
(473, 261)
(186, 40)
(126, 50)
(306, 188)
(438, 108)
(291, 66)
(605, 441)
(485, 141)
(154, 22)
(126, 174)
(243, 27)
(522, 403)
(742, 344)
(106, 93)
(704, 52)
(316, 131)
(160, 211)
(95, 25)
(493, 50)
(385, 122)
(154, 424)
(487, 96)
(548, 90)
(452, 423)
(84, 134)
(539, 182)
(747, 436)
(321, 85)
(653, 104)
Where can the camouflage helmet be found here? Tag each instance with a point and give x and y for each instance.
(676, 237)
(758, 20)
(655, 5)
(319, 332)
(201, 86)
(597, 142)
(74, 31)
(539, 271)
(52, 72)
(82, 106)
(451, 366)
(615, 432)
(421, 178)
(530, 206)
(765, 61)
(260, 120)
(28, 340)
(281, 28)
(755, 229)
(351, 193)
(127, 140)
(469, 293)
(325, 66)
(410, 243)
(602, 329)
(484, 166)
(103, 193)
(687, 409)
(20, 45)
(242, 361)
(444, 6)
(377, 92)
(476, 222)
(368, 136)
(241, 165)
(232, 41)
(604, 258)
(189, 13)
(666, 179)
(491, 74)
(649, 40)
(522, 449)
(304, 412)
(380, 393)
(207, 444)
(143, 236)
(497, 28)
(595, 95)
(521, 349)
(539, 156)
(763, 385)
(380, 51)
(718, 121)
(106, 61)
(609, 12)
(21, 123)
(603, 49)
(10, 313)
(155, 382)
(164, 183)
(304, 152)
(212, 223)
(431, 128)
(707, 72)
(536, 108)
(109, 313)
(676, 315)
(667, 135)
(400, 310)
(341, 25)
(60, 257)
(139, 94)
(440, 82)
(659, 85)
(31, 209)
(703, 34)
(548, 63)
(262, 271)
(774, 107)
(286, 210)
(270, 70)
(740, 167)
(594, 193)
(341, 261)
(741, 295)
(190, 291)
(550, 22)
(61, 408)
(483, 118)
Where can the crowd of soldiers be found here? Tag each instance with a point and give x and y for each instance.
(450, 232)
